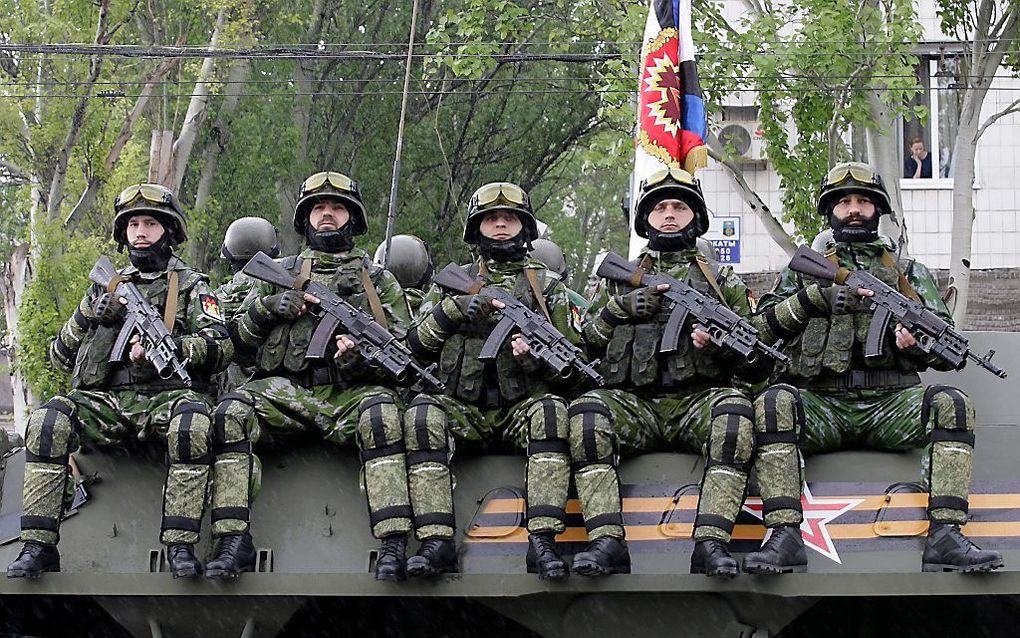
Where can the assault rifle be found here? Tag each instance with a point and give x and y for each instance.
(375, 343)
(142, 320)
(933, 335)
(725, 327)
(547, 343)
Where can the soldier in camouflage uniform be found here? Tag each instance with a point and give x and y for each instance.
(685, 400)
(341, 398)
(244, 238)
(550, 254)
(111, 403)
(512, 404)
(411, 265)
(832, 396)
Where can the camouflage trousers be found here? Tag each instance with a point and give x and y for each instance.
(108, 418)
(562, 440)
(715, 422)
(939, 417)
(368, 415)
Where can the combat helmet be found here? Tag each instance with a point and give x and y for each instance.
(852, 177)
(411, 263)
(500, 196)
(550, 254)
(330, 184)
(671, 183)
(149, 199)
(247, 236)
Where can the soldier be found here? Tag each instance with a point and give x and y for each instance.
(684, 400)
(411, 265)
(551, 255)
(111, 403)
(341, 398)
(839, 398)
(512, 402)
(244, 238)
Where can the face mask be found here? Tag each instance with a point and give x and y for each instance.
(843, 233)
(514, 249)
(154, 258)
(340, 240)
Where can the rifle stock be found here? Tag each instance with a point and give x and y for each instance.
(264, 268)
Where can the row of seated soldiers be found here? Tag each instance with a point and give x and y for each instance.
(694, 398)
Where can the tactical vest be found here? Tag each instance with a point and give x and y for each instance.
(834, 345)
(633, 360)
(503, 382)
(92, 367)
(283, 351)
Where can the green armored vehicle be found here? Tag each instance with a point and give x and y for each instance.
(864, 527)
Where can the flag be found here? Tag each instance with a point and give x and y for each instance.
(671, 112)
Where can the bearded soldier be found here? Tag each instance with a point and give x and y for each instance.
(411, 264)
(340, 398)
(682, 400)
(511, 403)
(114, 402)
(244, 238)
(838, 397)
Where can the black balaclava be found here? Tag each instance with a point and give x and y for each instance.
(686, 237)
(154, 258)
(513, 249)
(340, 240)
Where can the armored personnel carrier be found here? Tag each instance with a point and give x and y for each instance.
(864, 527)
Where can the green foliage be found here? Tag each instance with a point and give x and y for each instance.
(61, 278)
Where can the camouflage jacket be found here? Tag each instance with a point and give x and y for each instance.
(823, 344)
(630, 349)
(235, 293)
(277, 347)
(83, 346)
(442, 333)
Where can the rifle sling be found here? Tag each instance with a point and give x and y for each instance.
(711, 276)
(905, 288)
(643, 269)
(170, 311)
(537, 291)
(373, 299)
(304, 274)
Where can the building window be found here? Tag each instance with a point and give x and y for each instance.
(928, 144)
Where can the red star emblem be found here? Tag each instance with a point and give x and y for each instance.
(817, 513)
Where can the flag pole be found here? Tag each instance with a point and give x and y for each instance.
(391, 216)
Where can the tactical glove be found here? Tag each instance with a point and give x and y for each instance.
(285, 305)
(842, 299)
(474, 307)
(642, 303)
(108, 309)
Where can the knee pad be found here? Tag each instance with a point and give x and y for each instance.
(231, 423)
(954, 414)
(548, 427)
(731, 439)
(189, 436)
(592, 437)
(426, 435)
(778, 415)
(52, 429)
(379, 429)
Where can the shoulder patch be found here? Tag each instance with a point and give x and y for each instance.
(211, 306)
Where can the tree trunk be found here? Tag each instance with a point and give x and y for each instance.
(884, 155)
(964, 151)
(160, 157)
(13, 280)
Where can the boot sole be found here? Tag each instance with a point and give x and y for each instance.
(186, 573)
(594, 570)
(970, 569)
(417, 569)
(761, 568)
(717, 573)
(391, 578)
(31, 575)
(550, 574)
(223, 574)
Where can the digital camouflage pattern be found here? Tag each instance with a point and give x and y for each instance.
(341, 401)
(113, 403)
(886, 408)
(511, 404)
(233, 295)
(683, 401)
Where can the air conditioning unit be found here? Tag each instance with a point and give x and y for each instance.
(743, 139)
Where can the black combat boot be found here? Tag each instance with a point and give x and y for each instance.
(390, 563)
(712, 557)
(183, 563)
(34, 559)
(543, 559)
(603, 556)
(435, 556)
(948, 550)
(782, 553)
(235, 553)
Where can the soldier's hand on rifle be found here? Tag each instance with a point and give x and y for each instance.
(904, 339)
(107, 311)
(843, 300)
(345, 345)
(520, 346)
(137, 350)
(287, 305)
(476, 307)
(700, 338)
(642, 303)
